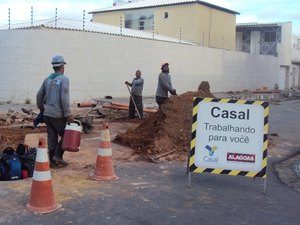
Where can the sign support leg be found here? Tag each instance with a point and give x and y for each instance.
(265, 185)
(189, 179)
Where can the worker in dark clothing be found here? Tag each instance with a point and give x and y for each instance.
(136, 98)
(53, 99)
(164, 85)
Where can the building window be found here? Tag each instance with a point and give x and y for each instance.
(142, 23)
(139, 19)
(128, 21)
(270, 36)
(166, 15)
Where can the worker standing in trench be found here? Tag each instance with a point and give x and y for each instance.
(164, 85)
(136, 98)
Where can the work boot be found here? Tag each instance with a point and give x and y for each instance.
(53, 164)
(60, 161)
(51, 154)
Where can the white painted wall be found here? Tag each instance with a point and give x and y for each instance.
(284, 78)
(296, 76)
(99, 64)
(285, 46)
(296, 61)
(296, 57)
(255, 42)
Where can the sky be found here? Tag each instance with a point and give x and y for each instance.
(263, 11)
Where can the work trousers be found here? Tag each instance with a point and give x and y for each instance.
(160, 100)
(55, 134)
(139, 104)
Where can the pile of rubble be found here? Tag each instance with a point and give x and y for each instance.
(14, 117)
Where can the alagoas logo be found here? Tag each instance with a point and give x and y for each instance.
(211, 152)
(239, 157)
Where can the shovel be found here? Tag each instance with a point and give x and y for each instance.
(133, 101)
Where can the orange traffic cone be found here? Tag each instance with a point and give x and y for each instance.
(104, 166)
(41, 197)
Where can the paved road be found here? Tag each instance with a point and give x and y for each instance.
(149, 194)
(285, 120)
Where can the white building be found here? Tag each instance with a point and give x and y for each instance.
(296, 61)
(273, 39)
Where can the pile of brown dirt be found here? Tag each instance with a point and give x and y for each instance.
(166, 134)
(14, 136)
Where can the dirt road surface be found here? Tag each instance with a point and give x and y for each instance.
(157, 193)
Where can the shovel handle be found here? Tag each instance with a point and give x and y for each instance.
(133, 101)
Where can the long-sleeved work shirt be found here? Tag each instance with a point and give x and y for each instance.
(53, 96)
(164, 85)
(137, 86)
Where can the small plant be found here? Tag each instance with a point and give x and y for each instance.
(27, 101)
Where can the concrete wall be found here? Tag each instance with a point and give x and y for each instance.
(296, 42)
(99, 64)
(295, 55)
(285, 57)
(296, 49)
(296, 60)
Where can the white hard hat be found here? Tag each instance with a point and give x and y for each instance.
(58, 61)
